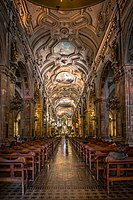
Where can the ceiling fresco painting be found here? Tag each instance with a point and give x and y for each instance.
(64, 48)
(64, 77)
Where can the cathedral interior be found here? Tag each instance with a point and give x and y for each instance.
(66, 99)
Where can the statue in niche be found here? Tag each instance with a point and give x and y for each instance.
(114, 51)
(101, 24)
(14, 52)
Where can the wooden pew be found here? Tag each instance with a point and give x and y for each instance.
(91, 150)
(37, 150)
(13, 170)
(99, 160)
(123, 170)
(29, 160)
(38, 160)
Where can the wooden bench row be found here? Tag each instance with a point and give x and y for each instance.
(95, 156)
(14, 171)
(24, 162)
(118, 170)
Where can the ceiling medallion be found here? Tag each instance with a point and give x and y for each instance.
(66, 4)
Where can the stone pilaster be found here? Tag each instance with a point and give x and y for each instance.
(98, 103)
(6, 91)
(27, 118)
(129, 103)
(104, 120)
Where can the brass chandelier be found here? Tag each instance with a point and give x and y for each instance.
(66, 4)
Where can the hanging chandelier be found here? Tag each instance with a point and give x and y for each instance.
(66, 4)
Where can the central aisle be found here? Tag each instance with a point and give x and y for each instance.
(66, 177)
(65, 171)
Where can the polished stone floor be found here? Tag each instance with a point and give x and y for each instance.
(65, 177)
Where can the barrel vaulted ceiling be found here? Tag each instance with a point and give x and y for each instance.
(64, 44)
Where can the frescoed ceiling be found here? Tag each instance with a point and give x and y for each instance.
(65, 44)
